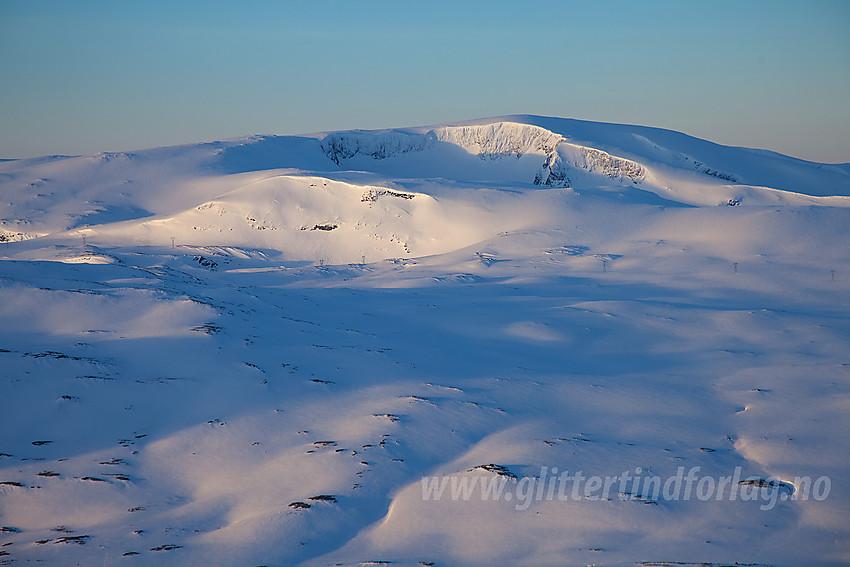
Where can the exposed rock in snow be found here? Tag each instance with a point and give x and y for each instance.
(346, 145)
(500, 139)
(375, 348)
(603, 163)
(496, 141)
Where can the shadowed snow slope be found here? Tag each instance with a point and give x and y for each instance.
(166, 186)
(498, 342)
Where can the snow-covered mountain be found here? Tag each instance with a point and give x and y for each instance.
(153, 189)
(269, 350)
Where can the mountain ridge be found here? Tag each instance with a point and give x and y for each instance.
(138, 195)
(247, 352)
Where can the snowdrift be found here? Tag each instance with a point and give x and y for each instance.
(512, 341)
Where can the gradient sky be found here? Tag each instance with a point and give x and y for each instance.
(86, 76)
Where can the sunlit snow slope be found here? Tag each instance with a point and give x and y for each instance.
(251, 352)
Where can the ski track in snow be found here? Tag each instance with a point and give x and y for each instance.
(251, 352)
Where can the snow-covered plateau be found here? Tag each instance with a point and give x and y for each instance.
(519, 341)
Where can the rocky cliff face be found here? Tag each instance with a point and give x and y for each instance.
(500, 139)
(553, 173)
(490, 142)
(345, 145)
(603, 163)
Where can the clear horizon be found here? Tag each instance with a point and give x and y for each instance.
(98, 76)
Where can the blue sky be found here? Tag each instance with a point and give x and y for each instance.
(87, 76)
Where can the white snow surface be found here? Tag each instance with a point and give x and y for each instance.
(253, 351)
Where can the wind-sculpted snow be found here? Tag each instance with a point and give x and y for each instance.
(681, 160)
(520, 341)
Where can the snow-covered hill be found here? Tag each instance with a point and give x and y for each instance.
(274, 349)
